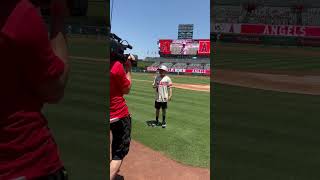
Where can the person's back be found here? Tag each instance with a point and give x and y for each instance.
(118, 81)
(27, 61)
(120, 119)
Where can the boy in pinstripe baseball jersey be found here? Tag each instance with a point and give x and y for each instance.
(163, 91)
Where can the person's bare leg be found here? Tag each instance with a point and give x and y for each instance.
(114, 168)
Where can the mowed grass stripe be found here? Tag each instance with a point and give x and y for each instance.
(86, 71)
(186, 139)
(248, 56)
(249, 60)
(175, 78)
(261, 135)
(76, 100)
(87, 48)
(141, 89)
(240, 59)
(88, 65)
(89, 81)
(261, 59)
(86, 114)
(279, 65)
(248, 63)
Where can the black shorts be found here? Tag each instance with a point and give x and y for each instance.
(59, 175)
(121, 137)
(158, 105)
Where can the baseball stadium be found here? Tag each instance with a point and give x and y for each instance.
(265, 89)
(181, 150)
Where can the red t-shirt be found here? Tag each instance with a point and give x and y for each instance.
(27, 147)
(118, 82)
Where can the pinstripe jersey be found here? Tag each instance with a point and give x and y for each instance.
(162, 88)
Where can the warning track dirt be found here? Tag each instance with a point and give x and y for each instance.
(143, 163)
(302, 84)
(193, 87)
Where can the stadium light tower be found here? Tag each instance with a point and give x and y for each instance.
(185, 31)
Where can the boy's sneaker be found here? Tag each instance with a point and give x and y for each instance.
(164, 125)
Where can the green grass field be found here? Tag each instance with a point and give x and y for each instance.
(265, 135)
(88, 48)
(250, 57)
(187, 137)
(79, 121)
(176, 78)
(260, 134)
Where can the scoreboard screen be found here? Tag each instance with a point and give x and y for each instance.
(196, 47)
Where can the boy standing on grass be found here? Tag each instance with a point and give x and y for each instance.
(163, 90)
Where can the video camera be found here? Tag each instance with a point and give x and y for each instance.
(118, 47)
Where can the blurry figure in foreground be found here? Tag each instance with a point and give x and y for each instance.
(33, 72)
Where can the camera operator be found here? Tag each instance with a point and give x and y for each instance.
(120, 120)
(33, 71)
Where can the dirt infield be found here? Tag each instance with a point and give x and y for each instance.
(269, 49)
(302, 84)
(143, 163)
(194, 87)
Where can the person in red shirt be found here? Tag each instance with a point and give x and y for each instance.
(120, 120)
(33, 72)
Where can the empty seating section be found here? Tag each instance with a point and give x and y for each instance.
(169, 65)
(180, 66)
(155, 65)
(311, 17)
(271, 15)
(230, 14)
(195, 66)
(264, 13)
(206, 67)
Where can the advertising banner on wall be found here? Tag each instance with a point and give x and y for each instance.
(280, 30)
(268, 30)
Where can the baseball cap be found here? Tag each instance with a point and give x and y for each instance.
(163, 67)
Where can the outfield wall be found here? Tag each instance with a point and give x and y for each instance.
(183, 71)
(268, 34)
(176, 60)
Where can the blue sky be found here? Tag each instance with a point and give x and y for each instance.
(143, 22)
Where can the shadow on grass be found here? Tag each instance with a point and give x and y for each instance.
(153, 123)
